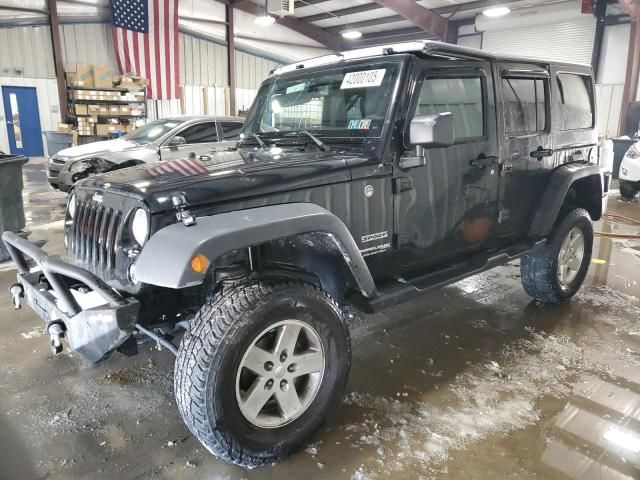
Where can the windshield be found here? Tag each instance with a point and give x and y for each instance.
(152, 131)
(349, 101)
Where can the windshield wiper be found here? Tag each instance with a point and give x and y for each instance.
(323, 146)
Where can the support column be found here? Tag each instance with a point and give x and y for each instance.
(231, 59)
(54, 25)
(600, 12)
(633, 71)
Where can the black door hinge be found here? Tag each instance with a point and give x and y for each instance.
(402, 184)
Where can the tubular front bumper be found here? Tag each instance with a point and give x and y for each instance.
(91, 316)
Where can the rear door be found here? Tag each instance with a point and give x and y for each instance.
(199, 138)
(447, 206)
(526, 143)
(22, 120)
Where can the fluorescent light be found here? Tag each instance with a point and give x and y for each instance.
(351, 34)
(265, 20)
(498, 11)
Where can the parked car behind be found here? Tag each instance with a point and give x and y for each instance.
(165, 139)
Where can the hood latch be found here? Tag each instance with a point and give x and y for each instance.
(182, 214)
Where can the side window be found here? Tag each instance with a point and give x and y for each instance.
(463, 97)
(525, 101)
(200, 133)
(230, 130)
(576, 111)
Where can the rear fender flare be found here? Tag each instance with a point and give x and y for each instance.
(560, 182)
(165, 259)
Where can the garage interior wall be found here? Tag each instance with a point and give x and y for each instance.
(203, 70)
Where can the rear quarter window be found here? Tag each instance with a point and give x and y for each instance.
(576, 106)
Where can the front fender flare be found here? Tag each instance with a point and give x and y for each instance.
(165, 259)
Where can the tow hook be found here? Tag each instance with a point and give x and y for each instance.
(17, 293)
(55, 332)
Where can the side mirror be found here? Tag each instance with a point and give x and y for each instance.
(176, 141)
(430, 131)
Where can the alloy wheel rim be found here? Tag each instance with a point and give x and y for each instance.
(280, 374)
(570, 257)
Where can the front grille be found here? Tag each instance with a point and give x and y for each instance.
(94, 237)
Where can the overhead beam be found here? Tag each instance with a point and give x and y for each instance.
(328, 39)
(54, 23)
(11, 8)
(343, 12)
(368, 23)
(231, 58)
(422, 17)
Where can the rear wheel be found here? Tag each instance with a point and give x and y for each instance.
(555, 272)
(627, 190)
(260, 370)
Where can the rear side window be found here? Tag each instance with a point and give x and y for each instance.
(462, 97)
(576, 109)
(200, 133)
(230, 130)
(525, 101)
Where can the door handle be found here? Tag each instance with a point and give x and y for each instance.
(541, 153)
(577, 156)
(483, 161)
(9, 122)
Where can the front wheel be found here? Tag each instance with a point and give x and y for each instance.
(555, 272)
(261, 368)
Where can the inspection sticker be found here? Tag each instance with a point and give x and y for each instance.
(362, 124)
(368, 78)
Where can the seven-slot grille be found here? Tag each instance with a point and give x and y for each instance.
(94, 237)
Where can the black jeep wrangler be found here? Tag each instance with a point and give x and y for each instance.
(361, 180)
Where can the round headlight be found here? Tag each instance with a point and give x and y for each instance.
(71, 206)
(140, 226)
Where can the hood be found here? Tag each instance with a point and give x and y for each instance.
(228, 174)
(106, 148)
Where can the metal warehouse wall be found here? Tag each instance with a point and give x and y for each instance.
(87, 43)
(26, 52)
(202, 62)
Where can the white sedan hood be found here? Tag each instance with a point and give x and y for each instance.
(109, 150)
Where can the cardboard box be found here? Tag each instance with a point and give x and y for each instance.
(114, 110)
(93, 110)
(104, 109)
(84, 131)
(80, 109)
(105, 130)
(84, 74)
(102, 76)
(64, 127)
(125, 110)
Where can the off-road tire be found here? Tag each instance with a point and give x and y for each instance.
(211, 352)
(627, 190)
(539, 269)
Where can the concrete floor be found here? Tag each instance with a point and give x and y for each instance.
(475, 381)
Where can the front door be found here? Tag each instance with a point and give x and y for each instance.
(22, 120)
(199, 139)
(526, 141)
(448, 205)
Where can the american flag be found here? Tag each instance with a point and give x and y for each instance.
(145, 38)
(185, 167)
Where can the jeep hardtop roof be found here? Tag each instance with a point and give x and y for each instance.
(428, 48)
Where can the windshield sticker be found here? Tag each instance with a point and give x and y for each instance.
(298, 87)
(368, 78)
(359, 124)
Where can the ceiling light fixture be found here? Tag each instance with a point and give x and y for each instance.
(351, 34)
(497, 11)
(264, 20)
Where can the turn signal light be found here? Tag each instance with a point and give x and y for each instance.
(199, 263)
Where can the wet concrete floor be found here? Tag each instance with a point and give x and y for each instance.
(475, 381)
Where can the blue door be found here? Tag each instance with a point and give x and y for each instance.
(22, 120)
